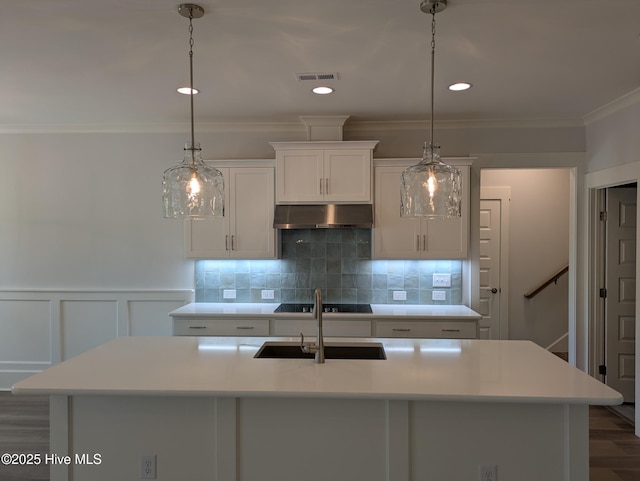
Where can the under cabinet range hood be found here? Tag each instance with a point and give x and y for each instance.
(322, 216)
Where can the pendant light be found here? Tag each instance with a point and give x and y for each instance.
(431, 188)
(192, 189)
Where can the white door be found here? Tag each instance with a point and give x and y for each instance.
(621, 287)
(490, 286)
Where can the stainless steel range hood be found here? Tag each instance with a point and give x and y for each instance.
(322, 216)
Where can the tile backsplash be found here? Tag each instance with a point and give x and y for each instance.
(336, 260)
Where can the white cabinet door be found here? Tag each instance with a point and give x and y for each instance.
(300, 176)
(323, 172)
(427, 329)
(395, 237)
(220, 327)
(246, 230)
(347, 175)
(251, 219)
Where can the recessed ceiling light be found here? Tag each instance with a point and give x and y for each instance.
(187, 90)
(458, 86)
(322, 90)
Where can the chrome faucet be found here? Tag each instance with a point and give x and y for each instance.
(318, 347)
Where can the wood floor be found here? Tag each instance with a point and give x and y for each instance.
(613, 447)
(24, 428)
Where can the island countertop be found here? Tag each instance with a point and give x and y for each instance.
(378, 312)
(415, 369)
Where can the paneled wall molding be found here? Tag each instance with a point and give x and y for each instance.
(42, 327)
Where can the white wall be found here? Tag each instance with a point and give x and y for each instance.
(538, 248)
(83, 210)
(613, 134)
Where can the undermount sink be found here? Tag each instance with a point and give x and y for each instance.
(292, 350)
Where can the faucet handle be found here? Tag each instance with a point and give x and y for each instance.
(302, 345)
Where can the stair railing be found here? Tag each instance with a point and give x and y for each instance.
(552, 280)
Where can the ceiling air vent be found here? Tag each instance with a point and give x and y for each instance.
(317, 76)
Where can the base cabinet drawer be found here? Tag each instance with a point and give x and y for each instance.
(427, 329)
(220, 327)
(330, 328)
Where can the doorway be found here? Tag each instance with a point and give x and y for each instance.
(535, 244)
(616, 320)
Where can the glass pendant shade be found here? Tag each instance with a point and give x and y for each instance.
(192, 189)
(431, 188)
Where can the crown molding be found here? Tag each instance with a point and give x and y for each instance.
(296, 127)
(374, 125)
(627, 100)
(164, 128)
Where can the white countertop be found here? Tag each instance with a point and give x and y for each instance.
(415, 369)
(379, 311)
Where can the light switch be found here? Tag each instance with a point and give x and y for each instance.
(442, 280)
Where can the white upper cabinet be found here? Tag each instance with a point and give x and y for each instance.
(395, 237)
(324, 172)
(246, 230)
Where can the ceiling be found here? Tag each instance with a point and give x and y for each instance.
(118, 62)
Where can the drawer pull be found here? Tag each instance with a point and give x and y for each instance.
(401, 329)
(244, 327)
(451, 330)
(197, 327)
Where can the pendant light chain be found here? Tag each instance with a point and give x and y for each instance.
(193, 141)
(192, 189)
(433, 61)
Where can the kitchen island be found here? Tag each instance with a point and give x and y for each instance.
(208, 409)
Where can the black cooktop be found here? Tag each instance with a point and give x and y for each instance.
(359, 308)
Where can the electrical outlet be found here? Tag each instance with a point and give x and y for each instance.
(229, 294)
(267, 293)
(438, 295)
(399, 295)
(441, 280)
(488, 472)
(148, 467)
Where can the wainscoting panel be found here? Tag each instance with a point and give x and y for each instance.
(87, 324)
(40, 328)
(150, 318)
